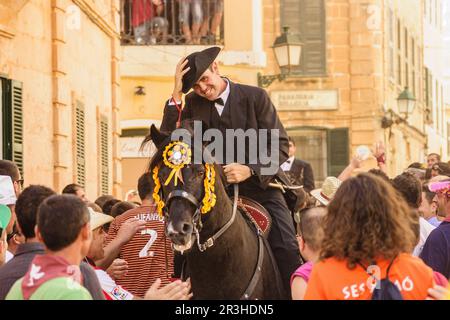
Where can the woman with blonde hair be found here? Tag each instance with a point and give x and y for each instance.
(369, 234)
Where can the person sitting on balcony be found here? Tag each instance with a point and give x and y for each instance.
(214, 14)
(148, 25)
(192, 35)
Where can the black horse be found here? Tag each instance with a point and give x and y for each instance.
(226, 258)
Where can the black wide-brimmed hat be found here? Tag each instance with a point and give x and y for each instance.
(199, 62)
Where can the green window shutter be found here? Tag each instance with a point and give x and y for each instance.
(17, 123)
(6, 129)
(11, 103)
(338, 150)
(104, 155)
(307, 18)
(80, 145)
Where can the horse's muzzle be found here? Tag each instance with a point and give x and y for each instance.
(180, 235)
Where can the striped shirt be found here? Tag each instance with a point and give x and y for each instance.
(147, 253)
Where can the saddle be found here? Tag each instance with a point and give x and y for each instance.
(256, 213)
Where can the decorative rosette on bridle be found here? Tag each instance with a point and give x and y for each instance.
(176, 156)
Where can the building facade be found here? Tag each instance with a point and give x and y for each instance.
(358, 56)
(436, 62)
(60, 92)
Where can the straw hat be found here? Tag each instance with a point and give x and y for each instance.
(328, 190)
(99, 219)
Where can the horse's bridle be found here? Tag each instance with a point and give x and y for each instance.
(197, 221)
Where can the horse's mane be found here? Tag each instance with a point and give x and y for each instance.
(157, 158)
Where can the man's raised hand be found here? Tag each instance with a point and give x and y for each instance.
(180, 71)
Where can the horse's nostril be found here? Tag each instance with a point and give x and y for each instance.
(187, 228)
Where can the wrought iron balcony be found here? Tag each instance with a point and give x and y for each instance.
(172, 22)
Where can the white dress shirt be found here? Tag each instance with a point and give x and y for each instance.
(224, 96)
(287, 165)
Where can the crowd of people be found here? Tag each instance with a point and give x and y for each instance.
(358, 228)
(365, 229)
(62, 246)
(151, 21)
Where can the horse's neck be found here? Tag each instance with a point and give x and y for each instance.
(237, 246)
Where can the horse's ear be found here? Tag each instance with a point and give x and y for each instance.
(156, 136)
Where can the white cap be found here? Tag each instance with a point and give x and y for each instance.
(7, 193)
(98, 219)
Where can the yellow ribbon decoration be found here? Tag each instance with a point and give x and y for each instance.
(176, 163)
(159, 202)
(209, 200)
(176, 155)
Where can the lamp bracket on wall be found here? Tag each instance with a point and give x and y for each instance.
(266, 80)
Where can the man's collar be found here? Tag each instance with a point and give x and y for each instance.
(30, 247)
(226, 93)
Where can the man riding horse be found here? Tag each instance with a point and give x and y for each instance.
(222, 104)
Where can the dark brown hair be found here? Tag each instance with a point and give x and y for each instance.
(145, 186)
(100, 201)
(60, 220)
(71, 189)
(409, 186)
(108, 206)
(367, 220)
(27, 207)
(9, 168)
(121, 207)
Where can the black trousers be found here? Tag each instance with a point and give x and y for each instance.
(281, 238)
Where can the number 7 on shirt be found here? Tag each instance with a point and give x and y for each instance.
(145, 252)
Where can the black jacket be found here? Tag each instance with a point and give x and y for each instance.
(301, 173)
(251, 108)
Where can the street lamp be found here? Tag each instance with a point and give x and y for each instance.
(406, 102)
(287, 48)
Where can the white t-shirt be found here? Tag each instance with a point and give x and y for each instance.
(110, 288)
(425, 230)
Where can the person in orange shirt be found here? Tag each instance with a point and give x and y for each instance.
(368, 230)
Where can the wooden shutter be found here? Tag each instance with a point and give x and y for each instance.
(338, 150)
(17, 123)
(104, 155)
(3, 120)
(12, 121)
(80, 147)
(307, 18)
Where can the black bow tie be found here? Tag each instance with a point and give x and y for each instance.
(219, 101)
(288, 161)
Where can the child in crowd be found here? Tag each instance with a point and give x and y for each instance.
(309, 235)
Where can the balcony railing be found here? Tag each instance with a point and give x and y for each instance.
(172, 22)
